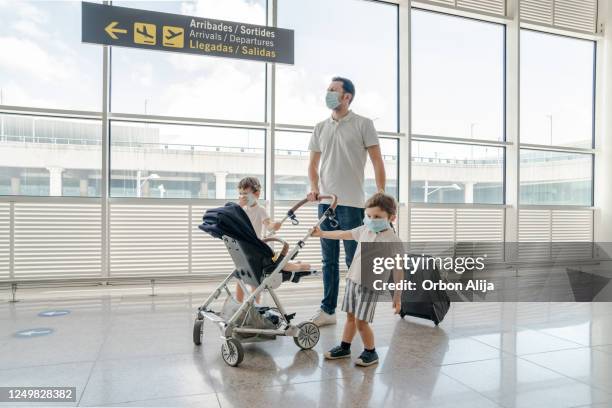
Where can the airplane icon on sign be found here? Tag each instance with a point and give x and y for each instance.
(172, 34)
(144, 33)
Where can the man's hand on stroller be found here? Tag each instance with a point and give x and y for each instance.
(313, 195)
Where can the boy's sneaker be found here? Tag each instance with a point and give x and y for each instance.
(323, 319)
(367, 358)
(337, 352)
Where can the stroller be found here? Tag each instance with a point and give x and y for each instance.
(257, 265)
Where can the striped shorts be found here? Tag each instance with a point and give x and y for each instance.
(359, 301)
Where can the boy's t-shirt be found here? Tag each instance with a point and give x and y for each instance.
(363, 234)
(257, 214)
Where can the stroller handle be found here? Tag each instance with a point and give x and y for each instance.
(332, 197)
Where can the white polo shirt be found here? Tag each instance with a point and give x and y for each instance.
(343, 145)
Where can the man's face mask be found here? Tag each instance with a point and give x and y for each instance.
(332, 99)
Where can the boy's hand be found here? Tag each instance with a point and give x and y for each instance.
(316, 232)
(397, 302)
(276, 226)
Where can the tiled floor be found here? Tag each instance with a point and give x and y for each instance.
(121, 347)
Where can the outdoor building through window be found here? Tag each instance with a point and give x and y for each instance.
(179, 161)
(457, 173)
(43, 156)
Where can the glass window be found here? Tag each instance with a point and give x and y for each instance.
(457, 173)
(389, 149)
(175, 84)
(291, 166)
(557, 85)
(183, 161)
(351, 38)
(556, 178)
(457, 76)
(44, 156)
(42, 60)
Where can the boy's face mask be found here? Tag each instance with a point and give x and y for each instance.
(376, 224)
(251, 199)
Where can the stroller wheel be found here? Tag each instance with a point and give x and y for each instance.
(308, 336)
(198, 331)
(232, 352)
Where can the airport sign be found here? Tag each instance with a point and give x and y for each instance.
(152, 30)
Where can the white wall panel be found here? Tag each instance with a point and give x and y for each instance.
(57, 240)
(148, 239)
(540, 227)
(4, 240)
(571, 15)
(494, 7)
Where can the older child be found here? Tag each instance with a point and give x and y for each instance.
(360, 301)
(249, 189)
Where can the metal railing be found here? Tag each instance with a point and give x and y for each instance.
(158, 145)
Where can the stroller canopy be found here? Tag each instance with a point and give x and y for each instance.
(231, 220)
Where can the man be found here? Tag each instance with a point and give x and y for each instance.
(339, 147)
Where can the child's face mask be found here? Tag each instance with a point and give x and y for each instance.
(376, 224)
(251, 199)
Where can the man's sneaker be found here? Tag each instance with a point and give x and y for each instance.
(367, 358)
(337, 352)
(323, 319)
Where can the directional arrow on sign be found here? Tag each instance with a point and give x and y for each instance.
(112, 31)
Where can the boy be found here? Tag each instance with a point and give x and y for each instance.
(360, 301)
(249, 189)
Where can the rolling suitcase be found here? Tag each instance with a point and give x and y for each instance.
(431, 304)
